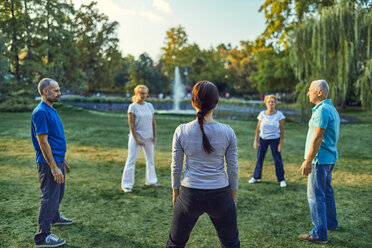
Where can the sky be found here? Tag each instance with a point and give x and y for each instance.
(208, 23)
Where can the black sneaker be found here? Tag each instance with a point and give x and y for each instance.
(62, 221)
(51, 241)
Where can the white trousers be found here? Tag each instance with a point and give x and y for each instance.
(133, 150)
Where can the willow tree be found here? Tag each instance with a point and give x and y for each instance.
(335, 45)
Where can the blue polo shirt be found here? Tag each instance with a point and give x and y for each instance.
(324, 116)
(46, 120)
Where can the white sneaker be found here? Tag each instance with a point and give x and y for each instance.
(283, 184)
(253, 180)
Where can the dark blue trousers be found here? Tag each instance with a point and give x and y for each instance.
(192, 203)
(51, 196)
(262, 149)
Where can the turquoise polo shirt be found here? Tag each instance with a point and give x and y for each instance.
(324, 116)
(46, 120)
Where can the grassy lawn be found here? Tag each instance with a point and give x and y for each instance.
(268, 216)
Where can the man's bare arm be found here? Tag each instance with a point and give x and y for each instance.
(47, 153)
(314, 148)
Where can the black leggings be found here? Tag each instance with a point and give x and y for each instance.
(192, 203)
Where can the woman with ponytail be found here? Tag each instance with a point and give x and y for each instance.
(205, 186)
(142, 127)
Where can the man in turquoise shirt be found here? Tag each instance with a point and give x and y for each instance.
(320, 158)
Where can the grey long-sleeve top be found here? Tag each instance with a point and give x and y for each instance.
(203, 170)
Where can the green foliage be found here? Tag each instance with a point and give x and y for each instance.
(209, 65)
(18, 101)
(283, 16)
(12, 28)
(46, 38)
(121, 75)
(239, 64)
(39, 38)
(274, 72)
(364, 85)
(4, 68)
(335, 46)
(174, 50)
(142, 71)
(97, 44)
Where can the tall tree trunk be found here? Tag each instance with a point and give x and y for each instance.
(14, 47)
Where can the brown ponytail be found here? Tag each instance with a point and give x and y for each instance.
(205, 98)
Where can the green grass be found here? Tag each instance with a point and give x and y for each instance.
(268, 216)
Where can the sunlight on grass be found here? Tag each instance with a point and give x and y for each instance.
(268, 216)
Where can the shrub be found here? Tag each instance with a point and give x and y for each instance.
(19, 101)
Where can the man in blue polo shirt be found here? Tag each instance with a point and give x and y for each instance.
(49, 142)
(320, 158)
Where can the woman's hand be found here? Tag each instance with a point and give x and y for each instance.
(175, 195)
(279, 147)
(256, 144)
(140, 143)
(155, 140)
(234, 194)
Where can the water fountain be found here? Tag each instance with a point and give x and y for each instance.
(178, 90)
(178, 93)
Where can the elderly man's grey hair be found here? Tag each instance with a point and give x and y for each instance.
(44, 84)
(322, 85)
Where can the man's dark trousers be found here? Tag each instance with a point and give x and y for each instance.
(51, 196)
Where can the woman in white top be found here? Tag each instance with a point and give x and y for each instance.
(142, 126)
(269, 132)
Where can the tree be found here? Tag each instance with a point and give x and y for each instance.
(97, 43)
(121, 74)
(274, 72)
(242, 62)
(336, 46)
(12, 28)
(142, 71)
(174, 50)
(283, 16)
(209, 65)
(53, 41)
(39, 39)
(4, 66)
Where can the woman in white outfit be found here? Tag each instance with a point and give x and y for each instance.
(142, 126)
